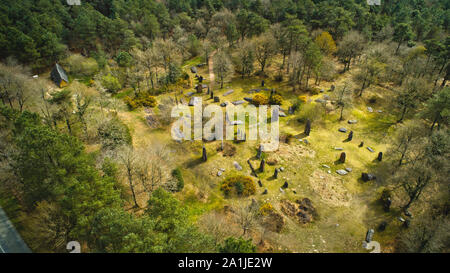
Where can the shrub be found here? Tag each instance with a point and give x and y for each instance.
(287, 138)
(266, 208)
(279, 78)
(80, 66)
(302, 99)
(143, 99)
(111, 83)
(239, 184)
(237, 245)
(313, 90)
(228, 149)
(176, 173)
(124, 59)
(114, 133)
(276, 100)
(260, 99)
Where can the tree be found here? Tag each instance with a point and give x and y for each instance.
(326, 43)
(223, 67)
(237, 245)
(128, 159)
(265, 49)
(427, 235)
(343, 98)
(407, 139)
(413, 92)
(402, 33)
(350, 47)
(111, 83)
(245, 58)
(437, 108)
(370, 72)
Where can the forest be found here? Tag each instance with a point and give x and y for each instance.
(364, 137)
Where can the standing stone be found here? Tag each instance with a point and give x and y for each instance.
(275, 174)
(285, 185)
(262, 83)
(258, 155)
(387, 204)
(350, 136)
(308, 127)
(216, 99)
(200, 79)
(208, 90)
(204, 157)
(361, 144)
(261, 166)
(259, 183)
(265, 191)
(212, 95)
(342, 157)
(380, 156)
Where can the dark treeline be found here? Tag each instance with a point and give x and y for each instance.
(38, 33)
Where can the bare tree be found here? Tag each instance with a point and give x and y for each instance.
(128, 160)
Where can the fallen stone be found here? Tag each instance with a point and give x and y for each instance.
(248, 99)
(338, 148)
(370, 149)
(348, 169)
(343, 130)
(282, 169)
(194, 69)
(238, 102)
(320, 101)
(228, 92)
(342, 172)
(281, 190)
(190, 94)
(219, 173)
(369, 109)
(237, 166)
(326, 166)
(224, 104)
(352, 121)
(281, 114)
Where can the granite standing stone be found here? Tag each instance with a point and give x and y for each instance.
(308, 127)
(380, 156)
(204, 156)
(261, 165)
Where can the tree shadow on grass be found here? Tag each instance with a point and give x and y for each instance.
(194, 163)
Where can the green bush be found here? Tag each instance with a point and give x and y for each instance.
(260, 99)
(80, 66)
(176, 173)
(237, 245)
(111, 83)
(114, 133)
(143, 99)
(240, 185)
(276, 100)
